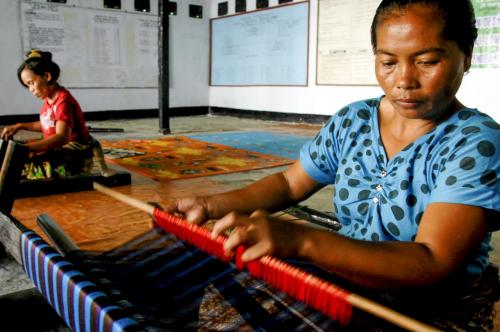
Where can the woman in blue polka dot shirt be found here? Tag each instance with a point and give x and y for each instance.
(415, 172)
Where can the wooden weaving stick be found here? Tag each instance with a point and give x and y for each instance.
(327, 297)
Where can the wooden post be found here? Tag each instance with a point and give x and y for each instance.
(163, 64)
(13, 156)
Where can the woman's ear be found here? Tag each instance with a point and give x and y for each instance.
(467, 63)
(48, 77)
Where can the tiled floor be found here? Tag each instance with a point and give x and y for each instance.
(12, 278)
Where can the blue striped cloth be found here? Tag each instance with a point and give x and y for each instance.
(82, 305)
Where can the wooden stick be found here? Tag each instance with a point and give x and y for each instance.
(357, 301)
(138, 204)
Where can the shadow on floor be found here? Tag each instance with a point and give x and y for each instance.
(28, 310)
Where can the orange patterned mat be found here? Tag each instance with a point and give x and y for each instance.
(180, 157)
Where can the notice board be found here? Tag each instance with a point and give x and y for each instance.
(487, 48)
(344, 54)
(263, 47)
(95, 48)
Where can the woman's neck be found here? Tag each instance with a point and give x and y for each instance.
(410, 129)
(53, 93)
(397, 132)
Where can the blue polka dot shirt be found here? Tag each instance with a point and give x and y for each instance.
(383, 200)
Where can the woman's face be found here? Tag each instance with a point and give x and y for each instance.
(419, 71)
(38, 85)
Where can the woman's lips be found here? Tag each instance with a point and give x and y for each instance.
(408, 103)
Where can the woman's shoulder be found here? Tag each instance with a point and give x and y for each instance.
(363, 109)
(467, 138)
(470, 122)
(65, 97)
(356, 116)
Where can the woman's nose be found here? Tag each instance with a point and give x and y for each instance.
(407, 77)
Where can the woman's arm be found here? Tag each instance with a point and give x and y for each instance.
(9, 131)
(448, 235)
(61, 137)
(271, 193)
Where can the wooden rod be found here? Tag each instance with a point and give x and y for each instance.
(138, 204)
(388, 314)
(357, 301)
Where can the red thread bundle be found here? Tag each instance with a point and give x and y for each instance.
(303, 286)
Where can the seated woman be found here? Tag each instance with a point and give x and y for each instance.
(66, 148)
(415, 174)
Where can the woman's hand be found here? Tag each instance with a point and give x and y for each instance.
(9, 131)
(192, 209)
(261, 233)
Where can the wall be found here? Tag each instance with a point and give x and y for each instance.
(189, 67)
(189, 56)
(478, 89)
(189, 44)
(312, 99)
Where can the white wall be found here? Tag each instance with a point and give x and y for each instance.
(189, 55)
(479, 88)
(312, 99)
(189, 45)
(189, 70)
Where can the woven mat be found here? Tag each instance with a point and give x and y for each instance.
(180, 157)
(276, 144)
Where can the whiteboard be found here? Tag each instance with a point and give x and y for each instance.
(95, 48)
(264, 47)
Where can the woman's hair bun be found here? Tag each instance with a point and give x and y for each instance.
(38, 54)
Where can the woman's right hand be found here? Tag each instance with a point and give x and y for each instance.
(192, 209)
(8, 132)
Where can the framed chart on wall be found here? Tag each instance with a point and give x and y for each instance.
(261, 48)
(96, 48)
(344, 53)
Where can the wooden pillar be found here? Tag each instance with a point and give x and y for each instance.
(163, 65)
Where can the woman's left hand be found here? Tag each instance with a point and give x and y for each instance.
(8, 132)
(261, 233)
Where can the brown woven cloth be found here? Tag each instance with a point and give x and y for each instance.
(475, 309)
(462, 303)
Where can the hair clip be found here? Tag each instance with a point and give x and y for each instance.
(34, 54)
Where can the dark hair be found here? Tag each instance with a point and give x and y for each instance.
(39, 62)
(459, 21)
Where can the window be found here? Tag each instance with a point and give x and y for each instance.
(142, 5)
(114, 4)
(222, 8)
(262, 4)
(195, 11)
(283, 1)
(241, 6)
(58, 1)
(172, 8)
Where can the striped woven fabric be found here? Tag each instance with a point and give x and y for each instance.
(76, 299)
(168, 285)
(159, 283)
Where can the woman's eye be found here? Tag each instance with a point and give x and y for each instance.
(428, 62)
